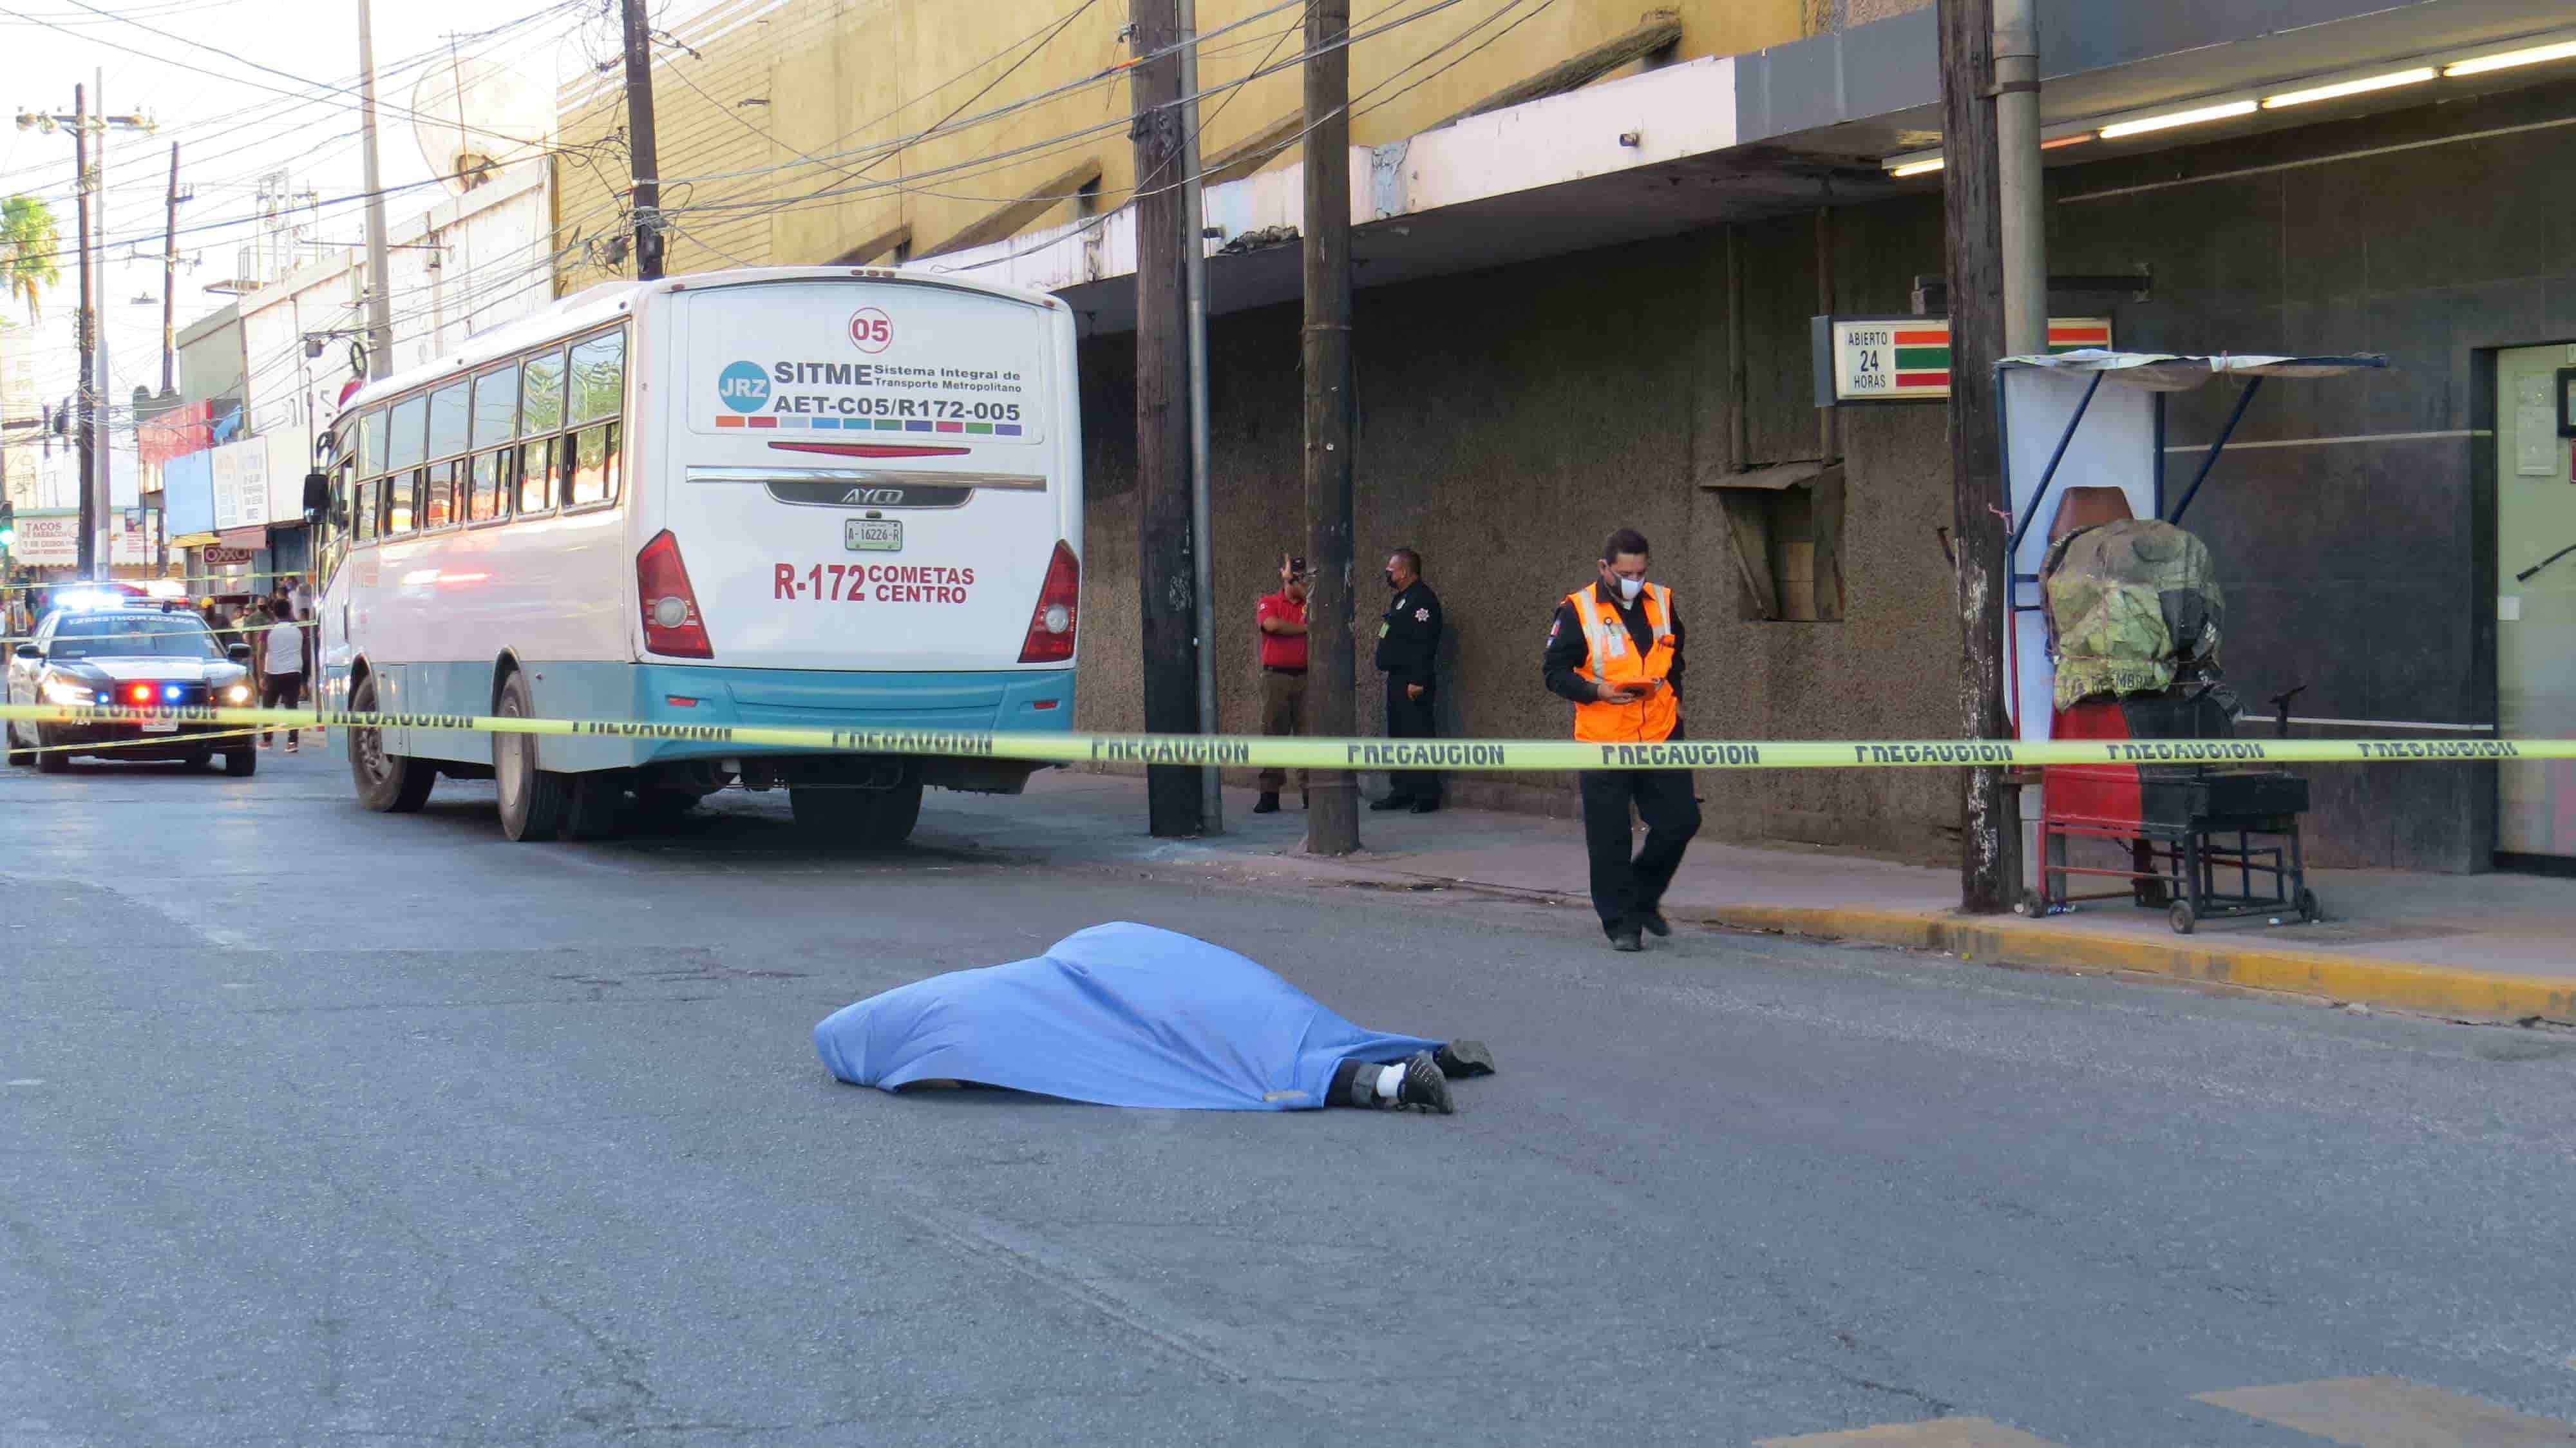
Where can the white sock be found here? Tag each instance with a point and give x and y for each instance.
(1389, 1080)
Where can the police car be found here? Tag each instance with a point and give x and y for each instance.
(110, 649)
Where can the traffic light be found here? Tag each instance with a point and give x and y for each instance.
(8, 524)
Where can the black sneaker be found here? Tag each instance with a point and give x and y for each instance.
(1460, 1059)
(1392, 801)
(1267, 804)
(1654, 923)
(1424, 1086)
(1625, 938)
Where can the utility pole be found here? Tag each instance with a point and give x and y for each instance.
(1973, 222)
(642, 158)
(1332, 814)
(86, 326)
(2025, 229)
(170, 283)
(380, 302)
(1202, 505)
(1166, 576)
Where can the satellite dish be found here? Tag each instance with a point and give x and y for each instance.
(473, 115)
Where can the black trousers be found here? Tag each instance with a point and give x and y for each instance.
(1621, 886)
(1410, 719)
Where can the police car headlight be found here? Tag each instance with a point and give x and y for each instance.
(63, 691)
(237, 694)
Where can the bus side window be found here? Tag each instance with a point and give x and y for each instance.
(371, 441)
(598, 377)
(400, 490)
(407, 446)
(483, 494)
(366, 514)
(541, 394)
(438, 496)
(536, 477)
(593, 480)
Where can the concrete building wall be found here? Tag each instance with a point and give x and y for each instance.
(779, 132)
(1509, 418)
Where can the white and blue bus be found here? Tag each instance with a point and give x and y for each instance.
(834, 497)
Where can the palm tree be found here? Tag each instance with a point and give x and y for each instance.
(29, 241)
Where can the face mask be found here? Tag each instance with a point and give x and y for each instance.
(1629, 588)
(1390, 580)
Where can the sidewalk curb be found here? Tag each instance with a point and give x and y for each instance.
(2404, 985)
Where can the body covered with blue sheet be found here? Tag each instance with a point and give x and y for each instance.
(1121, 1014)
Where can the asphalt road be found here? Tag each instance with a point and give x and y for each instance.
(325, 1127)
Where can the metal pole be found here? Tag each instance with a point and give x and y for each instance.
(87, 329)
(1202, 511)
(1332, 814)
(170, 283)
(1973, 226)
(2018, 179)
(380, 311)
(642, 153)
(103, 392)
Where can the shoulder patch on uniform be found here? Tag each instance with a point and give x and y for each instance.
(1422, 615)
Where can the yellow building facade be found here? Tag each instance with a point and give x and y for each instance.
(815, 131)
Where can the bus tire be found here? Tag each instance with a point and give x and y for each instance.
(839, 817)
(591, 813)
(534, 802)
(898, 810)
(387, 783)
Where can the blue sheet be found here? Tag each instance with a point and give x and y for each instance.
(1121, 1014)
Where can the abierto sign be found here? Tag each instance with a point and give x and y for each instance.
(1907, 359)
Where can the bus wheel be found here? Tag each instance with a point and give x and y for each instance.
(835, 816)
(898, 810)
(533, 801)
(591, 813)
(387, 783)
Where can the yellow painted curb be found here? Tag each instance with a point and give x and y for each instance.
(2404, 985)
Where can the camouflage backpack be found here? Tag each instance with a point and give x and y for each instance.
(2133, 608)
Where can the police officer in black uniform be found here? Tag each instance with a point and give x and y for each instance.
(1408, 641)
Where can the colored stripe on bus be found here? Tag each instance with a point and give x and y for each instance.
(764, 422)
(980, 429)
(917, 427)
(952, 427)
(1006, 429)
(729, 421)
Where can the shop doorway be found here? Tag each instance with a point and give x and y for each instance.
(2535, 412)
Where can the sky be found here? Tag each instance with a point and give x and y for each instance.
(235, 121)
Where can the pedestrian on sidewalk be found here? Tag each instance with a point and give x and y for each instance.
(1408, 644)
(281, 679)
(1615, 650)
(1281, 617)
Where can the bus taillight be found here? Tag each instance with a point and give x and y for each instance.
(1051, 623)
(671, 622)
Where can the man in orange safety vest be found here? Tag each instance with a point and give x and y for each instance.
(1615, 650)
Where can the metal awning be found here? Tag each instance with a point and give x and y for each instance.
(2167, 372)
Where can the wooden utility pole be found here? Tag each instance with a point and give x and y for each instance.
(86, 327)
(1332, 816)
(1165, 573)
(1973, 216)
(643, 161)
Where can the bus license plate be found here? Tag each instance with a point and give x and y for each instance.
(160, 728)
(872, 535)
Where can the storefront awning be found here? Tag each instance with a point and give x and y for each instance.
(193, 540)
(2166, 372)
(254, 537)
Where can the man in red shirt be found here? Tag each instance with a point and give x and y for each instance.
(1282, 618)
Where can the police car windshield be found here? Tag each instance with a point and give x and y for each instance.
(134, 635)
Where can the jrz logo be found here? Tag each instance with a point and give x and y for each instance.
(744, 386)
(874, 497)
(871, 330)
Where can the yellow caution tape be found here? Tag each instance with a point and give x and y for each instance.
(1364, 754)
